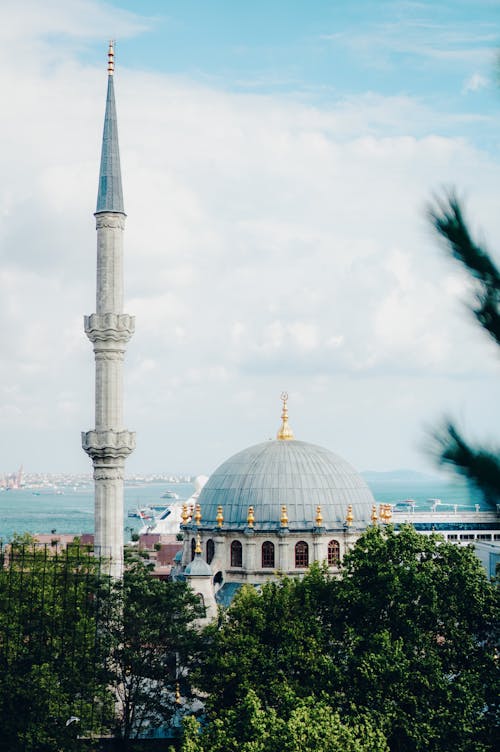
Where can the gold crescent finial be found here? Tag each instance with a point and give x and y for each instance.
(111, 57)
(285, 433)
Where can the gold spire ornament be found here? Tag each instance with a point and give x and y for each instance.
(285, 433)
(111, 57)
(184, 515)
(319, 517)
(284, 517)
(250, 517)
(349, 517)
(220, 517)
(197, 550)
(197, 515)
(374, 516)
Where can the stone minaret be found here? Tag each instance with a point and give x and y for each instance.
(109, 330)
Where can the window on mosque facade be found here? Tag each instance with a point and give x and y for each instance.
(193, 548)
(267, 554)
(333, 553)
(236, 554)
(301, 554)
(210, 550)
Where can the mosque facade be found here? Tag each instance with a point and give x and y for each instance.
(275, 508)
(271, 510)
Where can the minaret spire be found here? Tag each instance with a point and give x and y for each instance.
(109, 329)
(110, 194)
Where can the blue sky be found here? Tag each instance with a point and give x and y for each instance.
(326, 50)
(277, 158)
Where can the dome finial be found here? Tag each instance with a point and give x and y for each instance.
(285, 433)
(111, 57)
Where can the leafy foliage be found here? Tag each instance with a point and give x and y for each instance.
(479, 464)
(50, 652)
(403, 643)
(448, 219)
(150, 636)
(312, 726)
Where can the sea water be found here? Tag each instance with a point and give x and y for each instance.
(71, 509)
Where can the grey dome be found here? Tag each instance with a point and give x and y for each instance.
(294, 473)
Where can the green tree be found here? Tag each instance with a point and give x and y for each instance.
(419, 622)
(50, 651)
(272, 640)
(150, 636)
(404, 641)
(479, 464)
(312, 726)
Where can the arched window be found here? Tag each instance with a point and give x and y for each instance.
(268, 554)
(236, 554)
(193, 548)
(301, 555)
(333, 553)
(210, 550)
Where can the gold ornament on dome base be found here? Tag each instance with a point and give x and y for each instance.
(184, 515)
(197, 515)
(197, 550)
(385, 513)
(250, 517)
(220, 517)
(349, 517)
(284, 517)
(319, 517)
(374, 516)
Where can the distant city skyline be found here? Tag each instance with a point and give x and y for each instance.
(277, 159)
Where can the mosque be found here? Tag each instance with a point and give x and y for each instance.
(271, 509)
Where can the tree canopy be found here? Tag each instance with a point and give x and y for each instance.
(403, 642)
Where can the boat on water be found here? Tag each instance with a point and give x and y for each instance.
(141, 513)
(170, 495)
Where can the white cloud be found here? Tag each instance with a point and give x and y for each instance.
(475, 82)
(270, 244)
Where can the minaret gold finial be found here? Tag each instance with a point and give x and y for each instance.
(197, 515)
(285, 433)
(319, 517)
(111, 57)
(349, 518)
(250, 517)
(374, 516)
(197, 550)
(284, 517)
(184, 515)
(220, 517)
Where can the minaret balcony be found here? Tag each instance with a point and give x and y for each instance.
(108, 445)
(109, 327)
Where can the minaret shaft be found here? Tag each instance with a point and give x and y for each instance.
(109, 295)
(109, 329)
